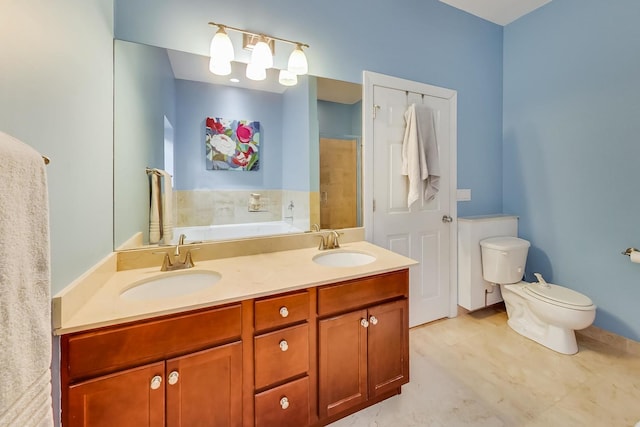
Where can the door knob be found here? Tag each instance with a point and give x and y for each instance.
(364, 323)
(447, 218)
(284, 345)
(373, 320)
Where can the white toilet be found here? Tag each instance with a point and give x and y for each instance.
(548, 314)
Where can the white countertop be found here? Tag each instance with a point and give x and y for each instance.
(243, 277)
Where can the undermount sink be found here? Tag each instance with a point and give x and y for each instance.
(342, 258)
(171, 284)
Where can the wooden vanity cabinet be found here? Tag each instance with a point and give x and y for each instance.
(363, 342)
(282, 360)
(194, 376)
(303, 358)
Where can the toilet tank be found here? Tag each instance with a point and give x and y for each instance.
(503, 259)
(473, 291)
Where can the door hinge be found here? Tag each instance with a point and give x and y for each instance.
(376, 107)
(374, 205)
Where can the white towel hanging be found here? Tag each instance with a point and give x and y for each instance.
(420, 158)
(25, 287)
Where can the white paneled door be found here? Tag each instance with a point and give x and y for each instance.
(425, 231)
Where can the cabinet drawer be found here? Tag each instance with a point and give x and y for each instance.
(119, 347)
(363, 292)
(281, 354)
(273, 410)
(281, 310)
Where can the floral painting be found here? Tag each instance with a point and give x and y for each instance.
(232, 144)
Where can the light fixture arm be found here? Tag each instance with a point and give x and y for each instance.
(228, 27)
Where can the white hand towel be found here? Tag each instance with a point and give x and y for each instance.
(155, 209)
(420, 158)
(25, 301)
(167, 207)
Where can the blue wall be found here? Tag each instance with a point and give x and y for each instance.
(195, 102)
(56, 94)
(572, 148)
(422, 40)
(297, 151)
(339, 119)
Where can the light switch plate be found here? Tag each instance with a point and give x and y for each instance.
(464, 194)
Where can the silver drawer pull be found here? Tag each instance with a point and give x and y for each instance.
(364, 323)
(284, 345)
(173, 377)
(284, 402)
(373, 320)
(284, 312)
(156, 382)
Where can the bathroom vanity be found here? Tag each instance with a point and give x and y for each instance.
(296, 357)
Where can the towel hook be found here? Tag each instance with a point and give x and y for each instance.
(629, 251)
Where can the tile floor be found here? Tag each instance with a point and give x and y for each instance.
(474, 370)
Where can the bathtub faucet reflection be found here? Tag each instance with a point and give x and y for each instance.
(290, 209)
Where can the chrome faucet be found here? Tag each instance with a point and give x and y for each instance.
(177, 264)
(329, 240)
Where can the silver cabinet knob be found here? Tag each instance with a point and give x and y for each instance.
(373, 320)
(447, 218)
(156, 382)
(173, 377)
(284, 403)
(284, 345)
(284, 312)
(364, 323)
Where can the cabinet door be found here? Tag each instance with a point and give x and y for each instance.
(388, 347)
(205, 388)
(129, 398)
(342, 362)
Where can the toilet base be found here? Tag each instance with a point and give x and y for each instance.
(557, 339)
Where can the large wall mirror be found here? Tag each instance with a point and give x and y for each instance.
(309, 151)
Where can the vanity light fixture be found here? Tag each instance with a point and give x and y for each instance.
(287, 78)
(221, 52)
(256, 72)
(261, 57)
(298, 61)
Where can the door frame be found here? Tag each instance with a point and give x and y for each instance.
(372, 79)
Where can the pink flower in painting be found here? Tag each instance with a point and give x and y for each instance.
(241, 159)
(213, 124)
(244, 133)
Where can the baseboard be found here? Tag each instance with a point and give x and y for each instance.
(614, 340)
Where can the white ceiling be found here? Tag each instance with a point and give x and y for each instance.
(501, 12)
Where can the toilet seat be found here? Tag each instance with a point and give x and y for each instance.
(560, 296)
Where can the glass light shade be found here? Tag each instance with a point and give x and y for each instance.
(220, 68)
(261, 55)
(255, 72)
(221, 47)
(287, 78)
(298, 62)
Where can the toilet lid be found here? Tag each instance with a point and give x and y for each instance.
(560, 294)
